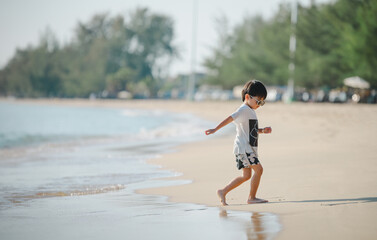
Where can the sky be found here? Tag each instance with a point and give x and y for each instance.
(23, 21)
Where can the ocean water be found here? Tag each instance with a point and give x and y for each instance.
(23, 125)
(87, 163)
(50, 151)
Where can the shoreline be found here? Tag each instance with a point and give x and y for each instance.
(135, 209)
(320, 171)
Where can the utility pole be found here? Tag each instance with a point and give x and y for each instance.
(192, 79)
(292, 51)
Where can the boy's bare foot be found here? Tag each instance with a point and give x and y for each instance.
(256, 200)
(222, 197)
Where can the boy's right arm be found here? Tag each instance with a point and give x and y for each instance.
(222, 124)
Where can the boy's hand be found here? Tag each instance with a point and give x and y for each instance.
(267, 130)
(210, 131)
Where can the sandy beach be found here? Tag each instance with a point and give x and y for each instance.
(320, 171)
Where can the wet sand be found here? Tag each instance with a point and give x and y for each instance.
(320, 171)
(125, 215)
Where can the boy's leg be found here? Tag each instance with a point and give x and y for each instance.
(246, 175)
(255, 180)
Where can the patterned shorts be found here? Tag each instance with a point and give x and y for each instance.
(246, 160)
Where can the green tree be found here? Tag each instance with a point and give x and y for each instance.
(359, 38)
(334, 41)
(317, 62)
(33, 72)
(255, 49)
(123, 79)
(150, 45)
(107, 53)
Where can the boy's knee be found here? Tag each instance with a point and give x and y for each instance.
(247, 177)
(258, 169)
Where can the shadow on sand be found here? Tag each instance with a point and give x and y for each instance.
(333, 202)
(324, 202)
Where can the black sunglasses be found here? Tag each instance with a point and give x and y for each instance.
(259, 102)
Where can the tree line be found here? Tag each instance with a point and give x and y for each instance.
(334, 41)
(107, 55)
(133, 52)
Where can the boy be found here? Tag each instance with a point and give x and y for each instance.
(246, 142)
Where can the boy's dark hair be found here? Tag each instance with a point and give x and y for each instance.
(254, 88)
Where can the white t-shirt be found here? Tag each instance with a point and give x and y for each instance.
(246, 123)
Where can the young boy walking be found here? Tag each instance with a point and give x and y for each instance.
(246, 142)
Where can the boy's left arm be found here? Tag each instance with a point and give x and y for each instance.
(265, 130)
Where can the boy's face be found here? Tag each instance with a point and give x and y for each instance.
(254, 102)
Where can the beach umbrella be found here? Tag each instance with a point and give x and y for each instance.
(356, 82)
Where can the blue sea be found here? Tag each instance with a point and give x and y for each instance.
(25, 125)
(62, 162)
(64, 151)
